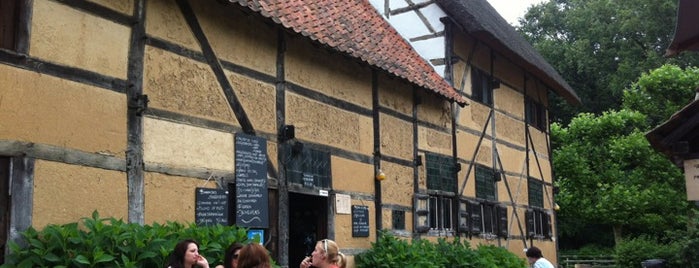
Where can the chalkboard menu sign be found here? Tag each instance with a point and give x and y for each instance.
(251, 181)
(211, 206)
(360, 221)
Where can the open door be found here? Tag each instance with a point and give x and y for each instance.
(308, 223)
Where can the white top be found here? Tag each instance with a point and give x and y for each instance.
(543, 263)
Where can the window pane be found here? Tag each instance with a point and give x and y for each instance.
(485, 183)
(440, 173)
(536, 193)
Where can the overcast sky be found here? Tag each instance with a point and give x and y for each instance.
(512, 10)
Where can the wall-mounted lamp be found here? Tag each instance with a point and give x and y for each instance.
(287, 132)
(380, 175)
(418, 161)
(556, 207)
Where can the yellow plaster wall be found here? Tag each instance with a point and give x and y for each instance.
(463, 47)
(258, 100)
(540, 140)
(170, 198)
(509, 129)
(462, 71)
(513, 159)
(186, 146)
(397, 188)
(325, 124)
(470, 189)
(434, 140)
(164, 20)
(352, 176)
(518, 190)
(328, 73)
(507, 99)
(396, 137)
(434, 110)
(44, 109)
(508, 73)
(182, 85)
(343, 228)
(474, 117)
(66, 193)
(71, 37)
(238, 37)
(123, 6)
(396, 95)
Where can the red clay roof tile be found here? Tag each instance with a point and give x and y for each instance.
(356, 28)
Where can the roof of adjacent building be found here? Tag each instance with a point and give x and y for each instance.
(480, 19)
(356, 28)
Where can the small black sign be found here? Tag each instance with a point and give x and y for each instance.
(251, 181)
(360, 221)
(211, 206)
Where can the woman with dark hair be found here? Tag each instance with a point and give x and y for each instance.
(254, 255)
(186, 255)
(230, 260)
(536, 259)
(326, 255)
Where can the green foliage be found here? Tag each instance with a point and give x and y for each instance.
(600, 47)
(107, 242)
(632, 252)
(661, 92)
(390, 251)
(608, 174)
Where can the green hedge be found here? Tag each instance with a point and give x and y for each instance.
(106, 242)
(390, 252)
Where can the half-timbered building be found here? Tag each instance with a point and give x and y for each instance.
(315, 118)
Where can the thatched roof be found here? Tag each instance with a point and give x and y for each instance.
(480, 19)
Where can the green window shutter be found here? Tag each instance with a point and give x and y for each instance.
(422, 213)
(536, 192)
(529, 217)
(502, 221)
(463, 216)
(475, 211)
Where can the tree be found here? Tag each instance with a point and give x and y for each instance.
(608, 174)
(601, 46)
(661, 92)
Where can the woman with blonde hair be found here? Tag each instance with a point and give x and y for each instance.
(326, 255)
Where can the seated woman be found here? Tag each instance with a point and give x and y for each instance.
(186, 255)
(230, 259)
(326, 255)
(254, 255)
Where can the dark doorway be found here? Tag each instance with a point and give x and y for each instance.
(308, 223)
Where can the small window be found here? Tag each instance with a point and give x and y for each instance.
(536, 193)
(441, 173)
(485, 183)
(538, 224)
(481, 87)
(441, 211)
(487, 219)
(9, 15)
(398, 217)
(536, 114)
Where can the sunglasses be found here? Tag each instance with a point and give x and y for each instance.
(325, 245)
(235, 256)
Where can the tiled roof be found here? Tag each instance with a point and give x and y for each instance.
(356, 28)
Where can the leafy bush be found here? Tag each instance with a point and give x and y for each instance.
(632, 252)
(109, 242)
(390, 252)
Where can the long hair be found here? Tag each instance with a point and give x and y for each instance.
(254, 255)
(332, 253)
(176, 259)
(230, 251)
